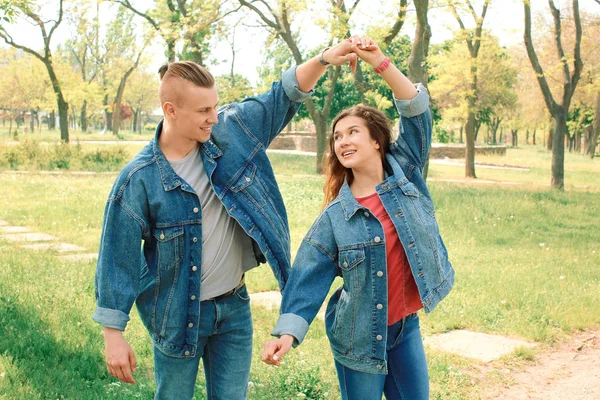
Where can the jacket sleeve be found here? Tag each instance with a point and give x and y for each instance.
(118, 270)
(311, 277)
(273, 110)
(415, 128)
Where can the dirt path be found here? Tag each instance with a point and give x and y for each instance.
(569, 372)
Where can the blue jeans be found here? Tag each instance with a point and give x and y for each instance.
(225, 346)
(407, 376)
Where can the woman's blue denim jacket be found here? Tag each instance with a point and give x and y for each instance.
(347, 240)
(150, 203)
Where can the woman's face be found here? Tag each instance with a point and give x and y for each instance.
(353, 144)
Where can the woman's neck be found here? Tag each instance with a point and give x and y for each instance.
(365, 180)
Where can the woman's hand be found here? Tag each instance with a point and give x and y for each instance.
(274, 350)
(367, 50)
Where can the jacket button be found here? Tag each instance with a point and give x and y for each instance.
(192, 297)
(366, 214)
(379, 306)
(196, 209)
(345, 264)
(247, 179)
(379, 367)
(187, 353)
(377, 239)
(162, 235)
(379, 337)
(190, 325)
(380, 273)
(195, 239)
(194, 268)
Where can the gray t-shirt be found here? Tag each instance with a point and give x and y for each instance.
(226, 248)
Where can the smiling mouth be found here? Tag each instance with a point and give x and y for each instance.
(348, 153)
(209, 129)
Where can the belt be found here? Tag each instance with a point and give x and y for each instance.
(229, 292)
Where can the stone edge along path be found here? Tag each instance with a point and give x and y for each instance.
(27, 239)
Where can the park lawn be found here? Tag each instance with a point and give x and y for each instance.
(526, 266)
(74, 135)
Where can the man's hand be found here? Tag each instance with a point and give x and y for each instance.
(274, 350)
(340, 54)
(120, 359)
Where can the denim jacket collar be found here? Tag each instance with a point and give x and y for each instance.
(349, 203)
(169, 178)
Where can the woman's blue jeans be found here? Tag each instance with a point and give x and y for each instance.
(225, 347)
(407, 376)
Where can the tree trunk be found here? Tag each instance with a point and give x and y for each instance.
(321, 128)
(533, 137)
(470, 147)
(52, 120)
(420, 46)
(63, 106)
(460, 138)
(83, 116)
(515, 137)
(31, 121)
(558, 151)
(595, 128)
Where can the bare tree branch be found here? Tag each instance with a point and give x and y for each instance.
(398, 24)
(127, 5)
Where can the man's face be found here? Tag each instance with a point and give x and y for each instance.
(195, 112)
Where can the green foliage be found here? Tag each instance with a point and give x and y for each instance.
(31, 155)
(440, 135)
(108, 159)
(233, 89)
(150, 127)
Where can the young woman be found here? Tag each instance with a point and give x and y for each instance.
(379, 233)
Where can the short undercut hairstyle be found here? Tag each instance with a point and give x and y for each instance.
(188, 70)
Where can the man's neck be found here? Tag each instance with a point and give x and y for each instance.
(174, 146)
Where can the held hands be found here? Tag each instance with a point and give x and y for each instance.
(350, 49)
(367, 50)
(120, 359)
(274, 350)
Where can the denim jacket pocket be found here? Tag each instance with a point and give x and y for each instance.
(249, 185)
(170, 246)
(348, 259)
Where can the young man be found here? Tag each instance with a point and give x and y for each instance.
(202, 197)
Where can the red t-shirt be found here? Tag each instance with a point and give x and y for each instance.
(403, 294)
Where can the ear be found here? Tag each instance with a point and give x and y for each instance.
(377, 145)
(169, 110)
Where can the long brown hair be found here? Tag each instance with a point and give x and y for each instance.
(380, 130)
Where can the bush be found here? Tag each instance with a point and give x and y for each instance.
(440, 135)
(108, 159)
(150, 127)
(58, 157)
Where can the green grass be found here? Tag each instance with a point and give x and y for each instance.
(74, 135)
(507, 282)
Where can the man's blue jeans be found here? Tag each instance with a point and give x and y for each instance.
(225, 346)
(407, 376)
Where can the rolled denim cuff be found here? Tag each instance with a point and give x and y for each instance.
(291, 324)
(111, 318)
(290, 85)
(416, 106)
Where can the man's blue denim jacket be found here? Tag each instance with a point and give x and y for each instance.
(347, 240)
(150, 202)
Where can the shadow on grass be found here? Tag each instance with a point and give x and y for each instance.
(52, 368)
